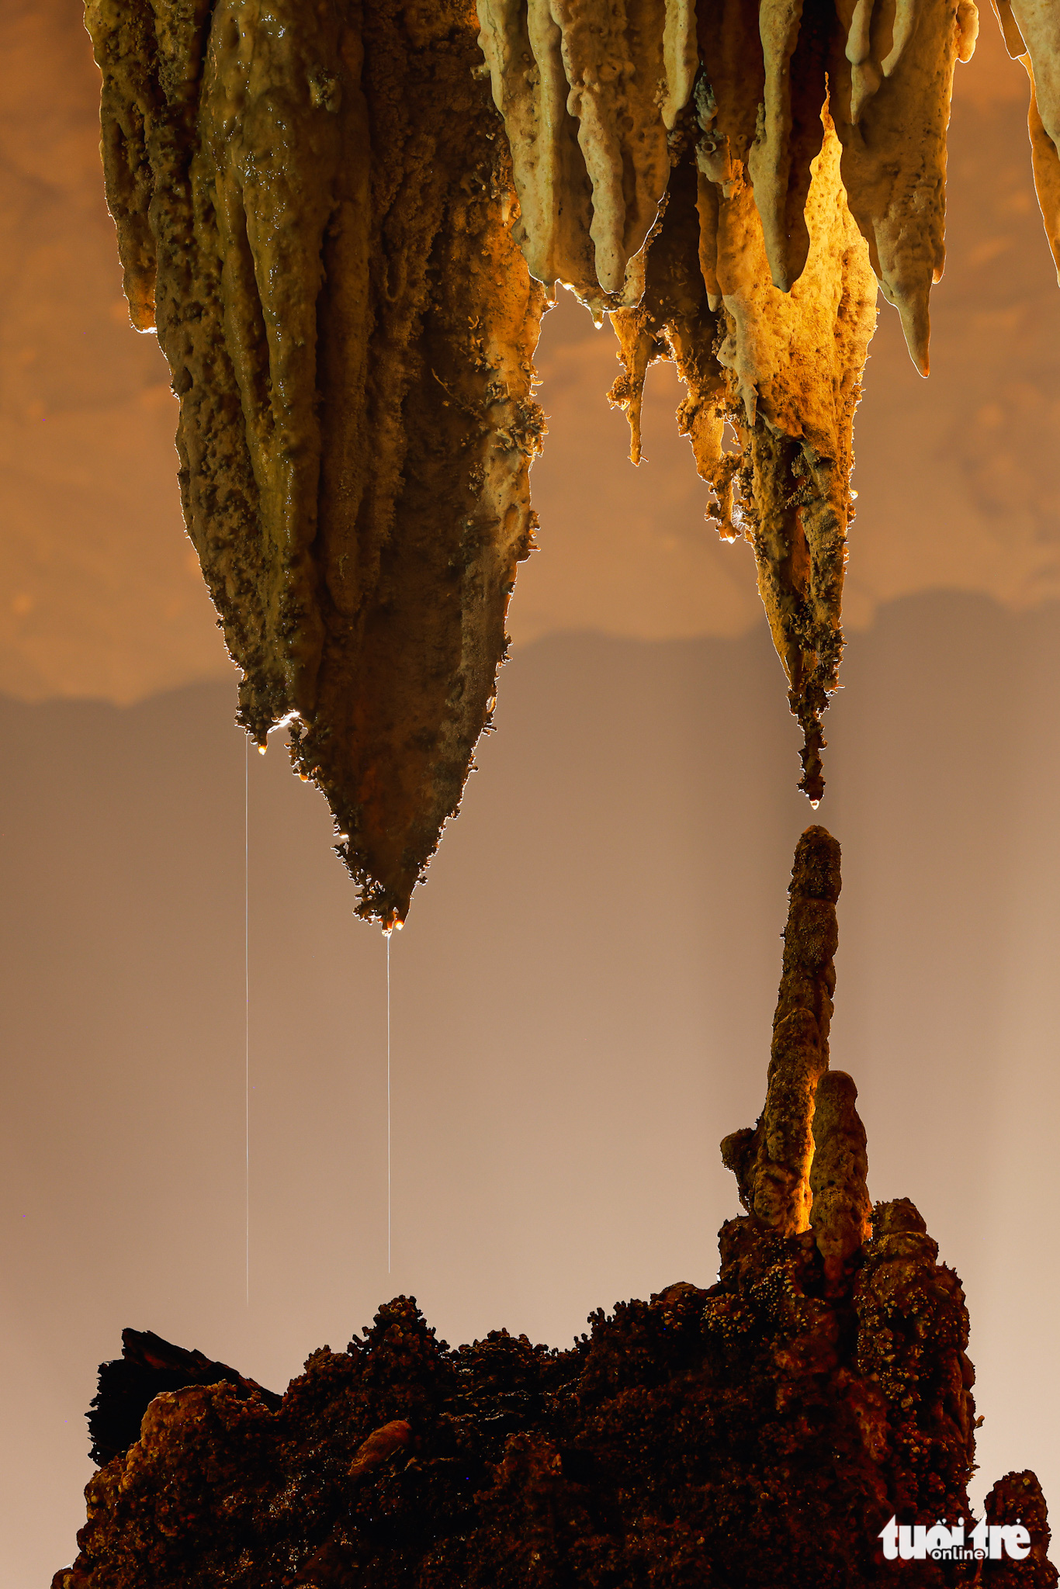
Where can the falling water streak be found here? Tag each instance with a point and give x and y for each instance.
(388, 1202)
(246, 994)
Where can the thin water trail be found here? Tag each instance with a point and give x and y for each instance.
(246, 996)
(388, 1158)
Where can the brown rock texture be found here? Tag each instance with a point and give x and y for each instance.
(818, 168)
(759, 1431)
(319, 213)
(314, 208)
(148, 1367)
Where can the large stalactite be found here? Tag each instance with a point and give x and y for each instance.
(346, 252)
(315, 210)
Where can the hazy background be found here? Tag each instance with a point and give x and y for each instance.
(583, 995)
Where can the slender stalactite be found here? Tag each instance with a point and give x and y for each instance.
(817, 138)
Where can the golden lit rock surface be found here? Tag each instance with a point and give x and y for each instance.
(772, 1162)
(840, 1207)
(261, 169)
(783, 368)
(318, 217)
(813, 132)
(104, 595)
(589, 91)
(821, 150)
(1032, 35)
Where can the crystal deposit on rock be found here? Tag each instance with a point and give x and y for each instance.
(759, 1431)
(344, 219)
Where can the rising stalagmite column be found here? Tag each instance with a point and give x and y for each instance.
(772, 1162)
(805, 1163)
(766, 1430)
(840, 1209)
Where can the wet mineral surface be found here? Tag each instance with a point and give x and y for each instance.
(344, 223)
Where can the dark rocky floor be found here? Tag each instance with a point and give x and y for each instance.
(752, 1434)
(759, 1433)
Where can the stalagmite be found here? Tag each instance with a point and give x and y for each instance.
(766, 1430)
(840, 1208)
(772, 1163)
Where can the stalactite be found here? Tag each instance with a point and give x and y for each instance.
(318, 208)
(1032, 35)
(821, 158)
(840, 1207)
(783, 369)
(589, 92)
(317, 214)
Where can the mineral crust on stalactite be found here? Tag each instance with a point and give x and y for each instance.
(347, 258)
(783, 370)
(589, 91)
(820, 159)
(759, 1431)
(1032, 35)
(314, 207)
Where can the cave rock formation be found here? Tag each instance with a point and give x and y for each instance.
(759, 1431)
(314, 209)
(345, 221)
